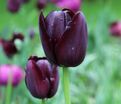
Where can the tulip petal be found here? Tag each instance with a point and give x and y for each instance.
(34, 81)
(46, 41)
(71, 49)
(54, 81)
(55, 25)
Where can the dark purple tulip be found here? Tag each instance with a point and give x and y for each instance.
(9, 46)
(14, 5)
(41, 78)
(115, 29)
(41, 4)
(64, 37)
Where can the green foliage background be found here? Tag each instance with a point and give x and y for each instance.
(97, 80)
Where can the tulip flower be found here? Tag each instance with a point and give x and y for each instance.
(115, 29)
(41, 77)
(73, 5)
(10, 71)
(41, 4)
(64, 37)
(14, 5)
(9, 46)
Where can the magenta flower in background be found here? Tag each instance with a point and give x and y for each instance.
(64, 37)
(14, 5)
(115, 29)
(9, 46)
(10, 71)
(41, 78)
(73, 5)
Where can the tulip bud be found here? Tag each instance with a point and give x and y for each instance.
(9, 46)
(14, 5)
(64, 37)
(10, 71)
(115, 29)
(41, 4)
(41, 77)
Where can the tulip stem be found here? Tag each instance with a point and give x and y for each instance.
(8, 91)
(43, 101)
(66, 86)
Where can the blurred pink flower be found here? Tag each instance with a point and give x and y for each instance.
(115, 28)
(73, 5)
(10, 71)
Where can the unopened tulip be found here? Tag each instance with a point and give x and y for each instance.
(9, 46)
(12, 72)
(41, 4)
(14, 5)
(41, 77)
(64, 37)
(115, 29)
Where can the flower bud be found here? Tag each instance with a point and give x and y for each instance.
(12, 72)
(9, 46)
(41, 4)
(64, 37)
(41, 77)
(14, 5)
(115, 29)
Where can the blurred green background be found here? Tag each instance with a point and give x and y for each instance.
(97, 80)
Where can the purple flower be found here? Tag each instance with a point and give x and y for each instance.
(115, 29)
(12, 72)
(41, 4)
(14, 5)
(41, 77)
(73, 5)
(64, 37)
(9, 46)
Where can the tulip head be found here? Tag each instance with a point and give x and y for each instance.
(41, 77)
(41, 4)
(14, 5)
(10, 71)
(9, 46)
(115, 29)
(64, 37)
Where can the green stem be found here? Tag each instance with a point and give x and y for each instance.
(66, 86)
(43, 101)
(8, 92)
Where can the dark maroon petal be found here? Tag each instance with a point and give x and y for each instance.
(9, 48)
(17, 36)
(71, 13)
(41, 4)
(55, 24)
(71, 49)
(44, 66)
(38, 87)
(54, 81)
(46, 40)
